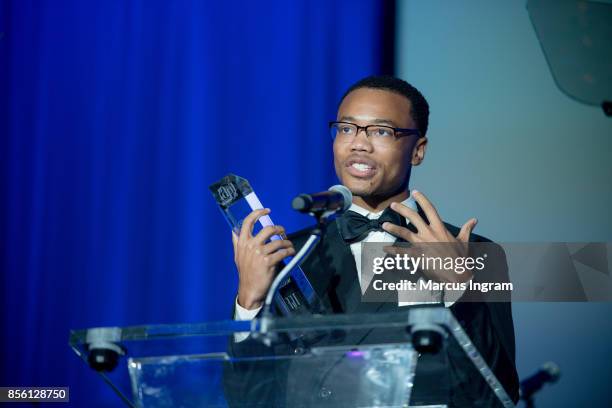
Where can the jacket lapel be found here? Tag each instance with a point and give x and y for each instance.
(346, 288)
(330, 268)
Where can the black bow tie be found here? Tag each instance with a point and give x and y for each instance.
(354, 227)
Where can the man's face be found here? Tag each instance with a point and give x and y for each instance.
(372, 170)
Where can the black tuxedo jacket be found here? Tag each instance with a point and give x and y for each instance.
(332, 272)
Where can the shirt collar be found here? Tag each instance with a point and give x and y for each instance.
(409, 202)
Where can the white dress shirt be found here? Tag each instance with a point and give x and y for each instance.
(374, 236)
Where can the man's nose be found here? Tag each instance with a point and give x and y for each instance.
(361, 142)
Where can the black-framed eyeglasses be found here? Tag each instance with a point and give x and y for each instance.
(347, 131)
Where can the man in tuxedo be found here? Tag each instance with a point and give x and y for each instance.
(379, 135)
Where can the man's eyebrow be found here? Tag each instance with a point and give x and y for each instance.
(387, 122)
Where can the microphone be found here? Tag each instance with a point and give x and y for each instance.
(337, 199)
(548, 373)
(320, 205)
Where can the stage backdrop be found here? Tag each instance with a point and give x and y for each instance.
(115, 117)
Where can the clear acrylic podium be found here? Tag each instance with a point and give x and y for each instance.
(400, 359)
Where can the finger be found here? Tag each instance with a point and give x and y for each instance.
(466, 230)
(279, 255)
(266, 233)
(247, 225)
(412, 215)
(400, 232)
(275, 246)
(428, 208)
(235, 244)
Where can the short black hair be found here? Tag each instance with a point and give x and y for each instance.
(420, 107)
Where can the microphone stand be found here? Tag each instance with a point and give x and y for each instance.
(322, 218)
(547, 374)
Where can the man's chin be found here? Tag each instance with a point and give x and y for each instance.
(372, 192)
(361, 191)
(363, 188)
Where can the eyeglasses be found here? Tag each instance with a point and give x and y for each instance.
(381, 135)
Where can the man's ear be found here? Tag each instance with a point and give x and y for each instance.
(418, 152)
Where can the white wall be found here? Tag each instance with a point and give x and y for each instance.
(507, 146)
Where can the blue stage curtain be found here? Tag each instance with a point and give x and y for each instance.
(115, 116)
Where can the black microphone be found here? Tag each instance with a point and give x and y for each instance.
(548, 373)
(337, 199)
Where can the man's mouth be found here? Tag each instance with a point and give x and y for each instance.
(362, 168)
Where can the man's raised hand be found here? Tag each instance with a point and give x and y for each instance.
(257, 260)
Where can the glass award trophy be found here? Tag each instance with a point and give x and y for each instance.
(236, 199)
